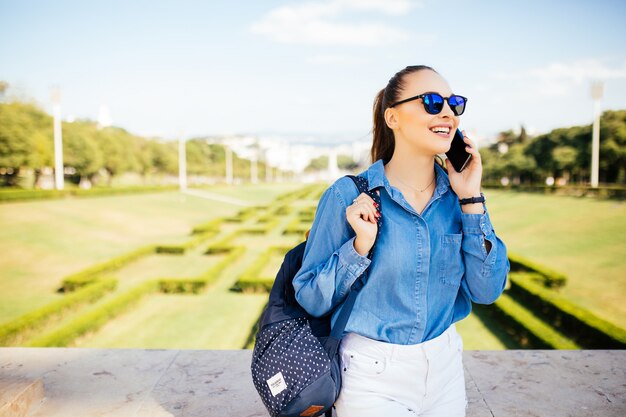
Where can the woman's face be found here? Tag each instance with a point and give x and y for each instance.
(412, 124)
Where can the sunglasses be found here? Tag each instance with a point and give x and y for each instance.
(433, 103)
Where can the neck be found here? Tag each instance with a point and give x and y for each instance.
(412, 169)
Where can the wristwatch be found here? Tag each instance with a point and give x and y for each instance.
(472, 200)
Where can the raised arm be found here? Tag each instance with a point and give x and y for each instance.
(330, 264)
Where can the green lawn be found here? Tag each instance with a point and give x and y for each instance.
(215, 319)
(43, 241)
(581, 237)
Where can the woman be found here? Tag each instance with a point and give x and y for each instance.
(401, 354)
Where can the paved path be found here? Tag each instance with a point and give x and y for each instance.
(64, 382)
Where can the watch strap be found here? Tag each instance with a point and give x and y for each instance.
(473, 200)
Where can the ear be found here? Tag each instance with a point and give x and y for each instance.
(391, 118)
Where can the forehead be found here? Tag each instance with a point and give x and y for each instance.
(426, 81)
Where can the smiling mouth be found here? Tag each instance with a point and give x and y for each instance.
(444, 132)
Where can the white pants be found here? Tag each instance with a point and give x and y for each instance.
(385, 379)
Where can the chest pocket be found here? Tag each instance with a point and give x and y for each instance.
(451, 267)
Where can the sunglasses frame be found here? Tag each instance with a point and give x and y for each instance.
(446, 99)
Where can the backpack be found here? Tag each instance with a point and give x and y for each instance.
(295, 362)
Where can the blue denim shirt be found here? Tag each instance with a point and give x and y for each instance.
(425, 271)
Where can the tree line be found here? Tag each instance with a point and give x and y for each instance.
(563, 153)
(26, 143)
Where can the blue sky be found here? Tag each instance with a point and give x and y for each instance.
(311, 67)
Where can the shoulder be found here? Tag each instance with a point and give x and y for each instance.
(345, 189)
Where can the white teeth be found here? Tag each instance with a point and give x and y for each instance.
(445, 130)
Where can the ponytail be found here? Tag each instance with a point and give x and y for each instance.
(384, 142)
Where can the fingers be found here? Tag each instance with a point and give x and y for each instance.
(365, 207)
(471, 147)
(363, 198)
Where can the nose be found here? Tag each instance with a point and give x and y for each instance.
(446, 110)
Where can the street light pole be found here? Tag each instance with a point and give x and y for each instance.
(597, 89)
(182, 163)
(229, 164)
(254, 170)
(58, 139)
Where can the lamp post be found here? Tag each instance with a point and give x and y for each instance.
(268, 168)
(58, 139)
(229, 163)
(182, 163)
(597, 89)
(254, 168)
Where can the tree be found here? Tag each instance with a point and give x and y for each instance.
(116, 146)
(80, 149)
(565, 159)
(25, 138)
(613, 146)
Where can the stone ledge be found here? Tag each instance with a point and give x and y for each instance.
(18, 394)
(137, 382)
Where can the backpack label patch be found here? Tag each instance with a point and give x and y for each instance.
(277, 384)
(312, 410)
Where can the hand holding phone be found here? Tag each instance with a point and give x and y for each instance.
(458, 155)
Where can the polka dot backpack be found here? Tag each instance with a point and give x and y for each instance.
(295, 363)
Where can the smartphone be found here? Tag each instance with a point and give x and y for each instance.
(457, 154)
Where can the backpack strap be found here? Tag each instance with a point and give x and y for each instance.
(336, 332)
(363, 187)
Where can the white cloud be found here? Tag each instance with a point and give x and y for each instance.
(558, 78)
(392, 7)
(337, 59)
(317, 23)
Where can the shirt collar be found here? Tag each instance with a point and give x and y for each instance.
(375, 175)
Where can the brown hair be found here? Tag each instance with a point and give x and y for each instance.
(384, 142)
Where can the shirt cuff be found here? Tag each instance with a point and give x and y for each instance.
(477, 223)
(350, 259)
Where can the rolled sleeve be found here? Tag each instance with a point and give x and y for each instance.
(486, 272)
(330, 264)
(479, 226)
(350, 259)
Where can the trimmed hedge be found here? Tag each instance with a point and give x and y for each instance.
(89, 275)
(196, 284)
(212, 226)
(181, 285)
(95, 318)
(614, 191)
(250, 281)
(242, 215)
(551, 278)
(221, 246)
(295, 227)
(539, 334)
(587, 329)
(17, 330)
(251, 285)
(261, 229)
(184, 247)
(298, 194)
(13, 195)
(307, 215)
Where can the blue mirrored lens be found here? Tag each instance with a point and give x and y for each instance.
(433, 103)
(457, 104)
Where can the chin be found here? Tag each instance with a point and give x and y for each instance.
(441, 150)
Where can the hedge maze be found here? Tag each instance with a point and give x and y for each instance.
(534, 315)
(529, 314)
(95, 295)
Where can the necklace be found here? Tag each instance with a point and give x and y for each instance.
(412, 188)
